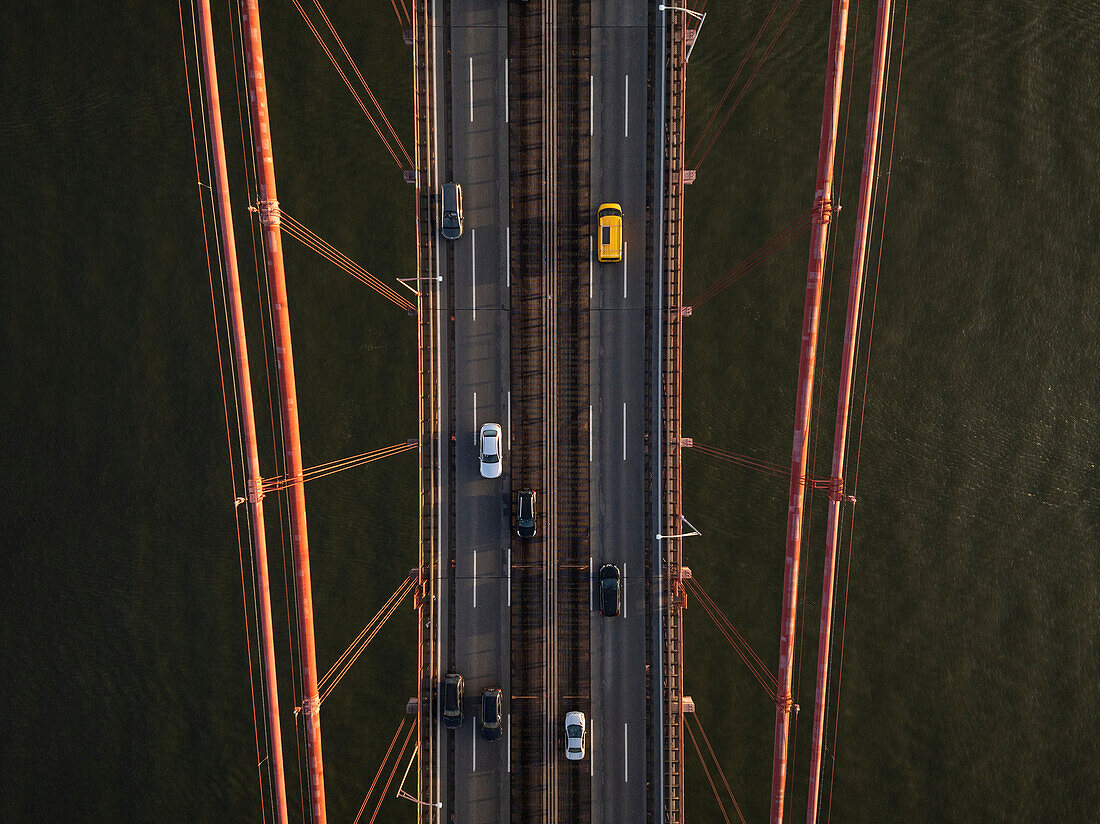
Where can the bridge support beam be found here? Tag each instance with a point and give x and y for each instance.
(844, 392)
(248, 419)
(284, 360)
(822, 201)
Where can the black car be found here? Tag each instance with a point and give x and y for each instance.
(492, 703)
(452, 701)
(525, 513)
(451, 207)
(610, 598)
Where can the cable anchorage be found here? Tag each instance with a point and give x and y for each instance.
(269, 212)
(255, 490)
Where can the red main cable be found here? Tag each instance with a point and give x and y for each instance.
(863, 403)
(225, 411)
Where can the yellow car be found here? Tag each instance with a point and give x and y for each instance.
(610, 216)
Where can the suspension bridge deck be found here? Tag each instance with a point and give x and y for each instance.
(541, 111)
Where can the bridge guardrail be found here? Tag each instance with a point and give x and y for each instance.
(427, 401)
(676, 52)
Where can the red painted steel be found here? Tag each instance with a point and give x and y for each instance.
(823, 206)
(284, 360)
(851, 335)
(244, 385)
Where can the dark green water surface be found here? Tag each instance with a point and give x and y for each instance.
(970, 677)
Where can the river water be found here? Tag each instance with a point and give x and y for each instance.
(969, 680)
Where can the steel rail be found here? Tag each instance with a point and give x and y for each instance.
(811, 315)
(248, 419)
(284, 360)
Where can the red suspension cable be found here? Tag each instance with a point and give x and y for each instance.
(745, 88)
(778, 242)
(311, 239)
(733, 80)
(381, 768)
(717, 763)
(347, 82)
(366, 86)
(758, 465)
(740, 646)
(393, 772)
(706, 770)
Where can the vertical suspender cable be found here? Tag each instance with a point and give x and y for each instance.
(811, 315)
(851, 334)
(284, 360)
(244, 382)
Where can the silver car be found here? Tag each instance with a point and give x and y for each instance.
(490, 450)
(574, 735)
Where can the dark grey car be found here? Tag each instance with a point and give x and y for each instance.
(453, 689)
(491, 710)
(610, 591)
(451, 208)
(525, 513)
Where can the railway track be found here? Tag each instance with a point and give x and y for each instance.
(529, 332)
(572, 211)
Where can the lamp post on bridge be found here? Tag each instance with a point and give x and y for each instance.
(700, 16)
(693, 532)
(406, 281)
(409, 797)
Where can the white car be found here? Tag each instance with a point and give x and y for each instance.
(574, 735)
(490, 450)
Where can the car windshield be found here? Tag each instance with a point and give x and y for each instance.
(573, 731)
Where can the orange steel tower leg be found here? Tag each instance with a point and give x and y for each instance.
(851, 333)
(244, 384)
(823, 208)
(284, 359)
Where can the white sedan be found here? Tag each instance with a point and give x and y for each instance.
(574, 735)
(490, 450)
